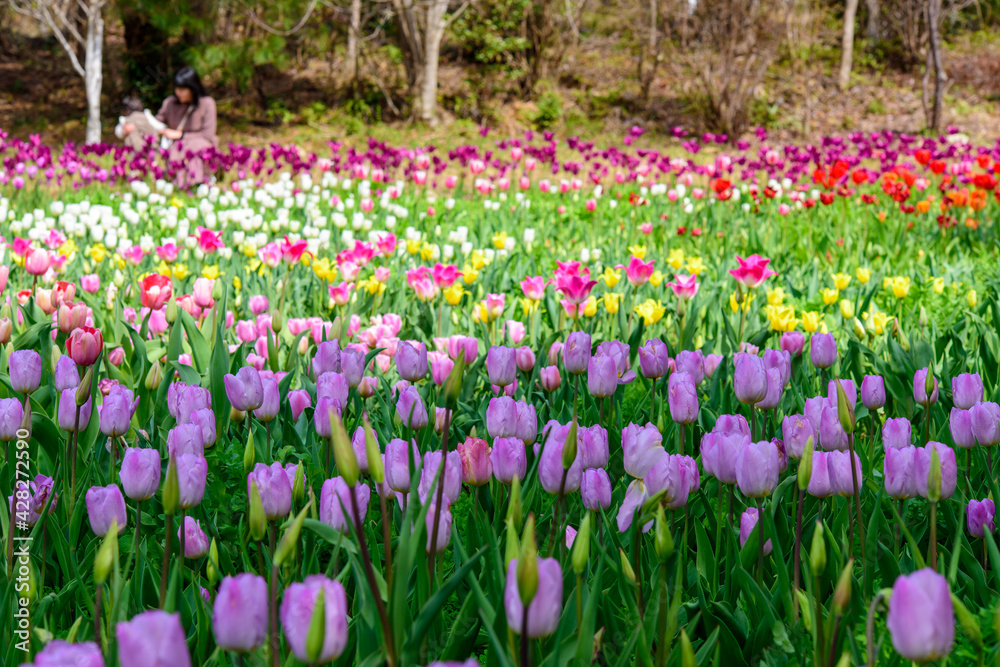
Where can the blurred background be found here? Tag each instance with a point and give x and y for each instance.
(438, 71)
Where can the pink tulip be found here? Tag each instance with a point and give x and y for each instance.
(752, 271)
(684, 287)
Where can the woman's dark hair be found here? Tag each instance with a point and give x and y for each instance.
(186, 77)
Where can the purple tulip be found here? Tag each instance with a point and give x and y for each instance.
(793, 342)
(813, 410)
(38, 491)
(321, 416)
(873, 392)
(332, 385)
(452, 478)
(527, 423)
(592, 446)
(239, 615)
(712, 362)
(550, 465)
(104, 505)
(140, 473)
(819, 481)
(59, 653)
(477, 469)
(205, 420)
(749, 379)
(327, 358)
(618, 351)
(720, 447)
(920, 389)
(960, 425)
(152, 638)
(838, 465)
(692, 363)
(245, 389)
(921, 616)
(185, 439)
(986, 423)
(444, 526)
(757, 466)
(298, 401)
(188, 399)
(966, 390)
(796, 430)
(11, 416)
(898, 471)
(979, 517)
(411, 410)
(67, 411)
(635, 496)
(545, 608)
(832, 436)
(775, 389)
(682, 397)
(397, 464)
(823, 350)
(642, 447)
(25, 368)
(360, 451)
(501, 365)
(297, 613)
(850, 391)
(274, 489)
(549, 377)
(116, 414)
(67, 375)
(411, 360)
(509, 459)
(949, 468)
(335, 497)
(602, 376)
(270, 401)
(670, 476)
(196, 542)
(501, 417)
(748, 521)
(782, 361)
(595, 489)
(576, 352)
(654, 359)
(192, 471)
(896, 433)
(352, 364)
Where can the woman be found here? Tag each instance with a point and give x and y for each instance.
(190, 118)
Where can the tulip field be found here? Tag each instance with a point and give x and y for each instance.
(526, 402)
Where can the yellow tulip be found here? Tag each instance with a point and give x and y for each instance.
(453, 295)
(734, 303)
(97, 253)
(237, 283)
(480, 314)
(810, 321)
(841, 280)
(611, 301)
(971, 298)
(695, 266)
(469, 274)
(412, 246)
(878, 320)
(180, 271)
(938, 285)
(500, 240)
(863, 274)
(656, 279)
(210, 272)
(781, 318)
(529, 306)
(676, 258)
(776, 296)
(611, 277)
(162, 267)
(176, 203)
(650, 311)
(68, 249)
(426, 252)
(846, 309)
(590, 307)
(830, 296)
(900, 286)
(638, 250)
(372, 286)
(478, 259)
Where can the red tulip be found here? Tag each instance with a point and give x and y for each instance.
(84, 345)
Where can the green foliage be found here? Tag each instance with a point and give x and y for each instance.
(492, 33)
(236, 63)
(549, 111)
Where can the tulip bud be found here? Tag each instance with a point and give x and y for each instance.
(212, 566)
(172, 489)
(806, 465)
(859, 328)
(83, 391)
(276, 321)
(218, 290)
(581, 546)
(922, 318)
(291, 537)
(258, 521)
(845, 660)
(688, 658)
(663, 541)
(171, 314)
(929, 383)
(31, 589)
(452, 388)
(372, 453)
(26, 421)
(249, 453)
(970, 626)
(237, 416)
(934, 477)
(527, 563)
(842, 593)
(154, 377)
(54, 357)
(105, 558)
(343, 452)
(299, 485)
(513, 546)
(817, 551)
(317, 628)
(844, 409)
(514, 504)
(626, 566)
(805, 606)
(569, 446)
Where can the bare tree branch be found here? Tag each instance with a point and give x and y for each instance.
(284, 33)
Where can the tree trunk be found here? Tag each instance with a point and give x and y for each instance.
(871, 29)
(847, 49)
(934, 45)
(433, 32)
(93, 76)
(352, 39)
(647, 72)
